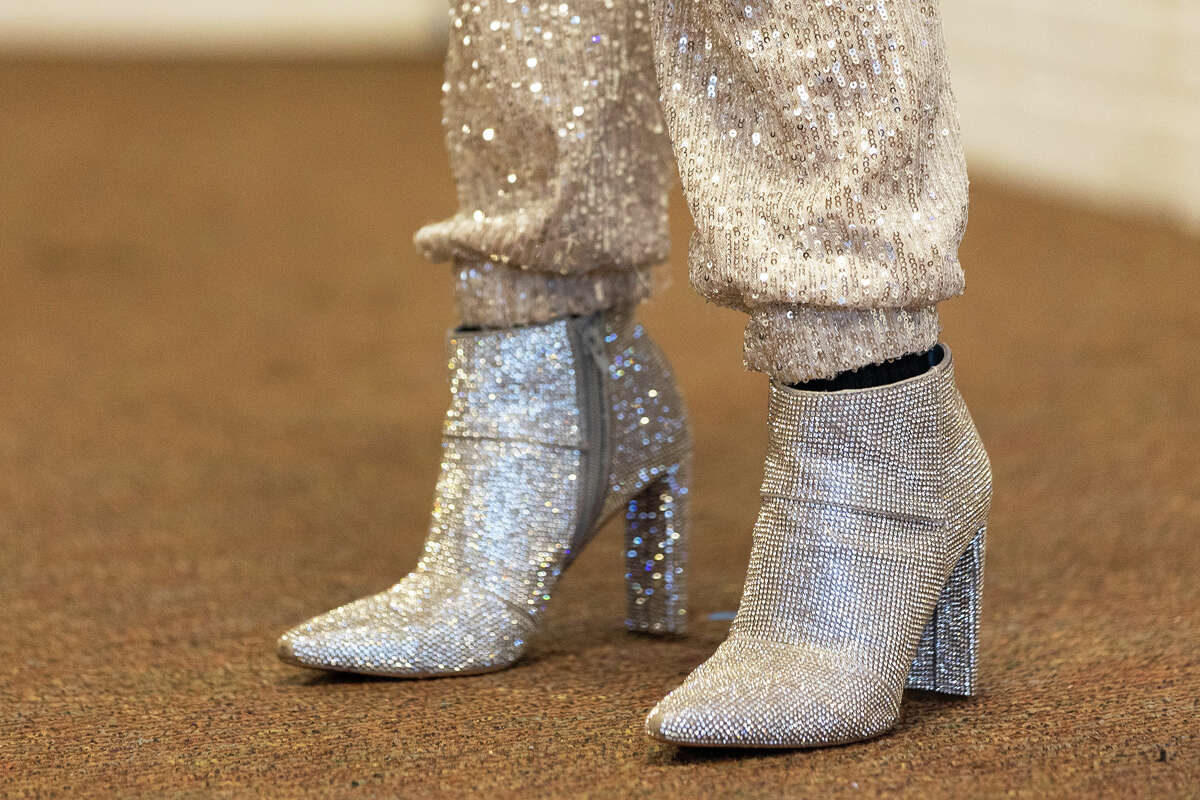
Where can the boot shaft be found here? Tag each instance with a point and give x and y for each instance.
(908, 450)
(593, 401)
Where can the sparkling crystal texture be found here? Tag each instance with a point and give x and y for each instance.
(817, 143)
(551, 428)
(864, 576)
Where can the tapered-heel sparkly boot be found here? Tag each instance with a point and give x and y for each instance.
(551, 429)
(864, 577)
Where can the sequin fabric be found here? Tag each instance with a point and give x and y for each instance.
(817, 142)
(549, 427)
(869, 542)
(560, 157)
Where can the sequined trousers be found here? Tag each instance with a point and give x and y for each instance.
(865, 576)
(551, 429)
(817, 142)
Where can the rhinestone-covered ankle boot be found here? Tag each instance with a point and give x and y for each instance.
(864, 577)
(551, 428)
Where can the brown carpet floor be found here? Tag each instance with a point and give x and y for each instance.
(220, 391)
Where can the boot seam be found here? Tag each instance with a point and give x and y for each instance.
(892, 515)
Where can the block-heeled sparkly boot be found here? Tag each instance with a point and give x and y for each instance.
(551, 429)
(864, 576)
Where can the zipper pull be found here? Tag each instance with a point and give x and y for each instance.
(594, 341)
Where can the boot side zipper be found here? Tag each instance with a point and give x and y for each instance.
(590, 367)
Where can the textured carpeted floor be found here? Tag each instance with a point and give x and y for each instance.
(220, 391)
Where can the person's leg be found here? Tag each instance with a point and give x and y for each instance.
(562, 409)
(818, 147)
(560, 156)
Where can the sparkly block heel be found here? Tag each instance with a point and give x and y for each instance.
(551, 429)
(947, 655)
(656, 527)
(864, 576)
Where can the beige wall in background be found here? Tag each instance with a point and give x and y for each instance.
(224, 27)
(1096, 100)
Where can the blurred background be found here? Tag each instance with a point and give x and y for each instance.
(222, 380)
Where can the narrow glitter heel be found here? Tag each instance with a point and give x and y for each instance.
(947, 656)
(656, 527)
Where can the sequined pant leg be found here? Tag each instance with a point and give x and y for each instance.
(817, 143)
(818, 146)
(560, 156)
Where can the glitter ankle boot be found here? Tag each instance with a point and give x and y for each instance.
(551, 429)
(864, 577)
